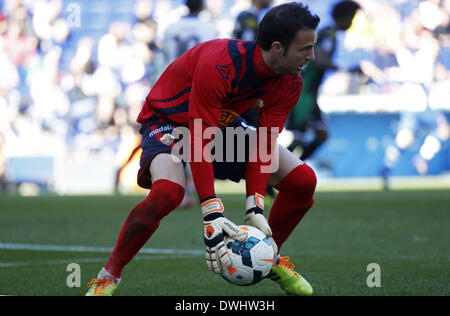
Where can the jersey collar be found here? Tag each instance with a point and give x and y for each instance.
(261, 69)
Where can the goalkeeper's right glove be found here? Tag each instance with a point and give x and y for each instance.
(215, 225)
(254, 217)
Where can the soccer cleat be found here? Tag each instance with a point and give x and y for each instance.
(104, 285)
(289, 280)
(101, 287)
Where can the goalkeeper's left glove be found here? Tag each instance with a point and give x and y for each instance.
(215, 226)
(254, 217)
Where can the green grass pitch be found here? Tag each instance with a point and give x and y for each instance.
(405, 232)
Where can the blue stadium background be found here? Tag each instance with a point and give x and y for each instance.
(357, 145)
(347, 152)
(357, 142)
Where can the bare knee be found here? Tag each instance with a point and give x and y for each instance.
(164, 197)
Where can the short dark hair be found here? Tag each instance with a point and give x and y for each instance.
(282, 22)
(343, 9)
(194, 5)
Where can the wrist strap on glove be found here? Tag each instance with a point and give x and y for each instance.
(212, 209)
(255, 201)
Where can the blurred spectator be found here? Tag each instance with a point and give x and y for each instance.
(49, 103)
(48, 27)
(3, 24)
(417, 72)
(18, 46)
(113, 48)
(142, 10)
(9, 76)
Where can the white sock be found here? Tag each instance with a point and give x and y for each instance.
(104, 274)
(277, 259)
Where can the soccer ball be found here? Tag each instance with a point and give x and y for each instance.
(251, 259)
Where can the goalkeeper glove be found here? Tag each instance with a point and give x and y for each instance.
(254, 217)
(215, 225)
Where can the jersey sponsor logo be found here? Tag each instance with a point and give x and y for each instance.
(258, 143)
(167, 139)
(161, 129)
(224, 71)
(258, 105)
(227, 116)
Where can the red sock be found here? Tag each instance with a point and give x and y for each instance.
(142, 222)
(295, 198)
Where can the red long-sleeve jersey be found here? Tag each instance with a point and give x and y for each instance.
(215, 82)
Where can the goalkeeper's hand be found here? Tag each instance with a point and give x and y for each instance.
(255, 217)
(215, 225)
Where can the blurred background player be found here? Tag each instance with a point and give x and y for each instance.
(307, 115)
(246, 28)
(179, 37)
(192, 29)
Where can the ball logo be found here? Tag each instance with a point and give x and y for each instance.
(231, 270)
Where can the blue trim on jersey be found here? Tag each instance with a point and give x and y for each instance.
(250, 79)
(235, 98)
(250, 83)
(236, 57)
(180, 108)
(187, 90)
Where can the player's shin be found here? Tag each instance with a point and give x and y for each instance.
(295, 198)
(142, 222)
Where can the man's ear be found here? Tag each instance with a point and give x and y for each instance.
(277, 48)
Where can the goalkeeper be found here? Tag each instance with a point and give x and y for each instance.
(210, 86)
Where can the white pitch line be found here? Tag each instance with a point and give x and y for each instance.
(62, 248)
(163, 253)
(48, 262)
(83, 260)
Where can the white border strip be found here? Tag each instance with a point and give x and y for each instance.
(62, 248)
